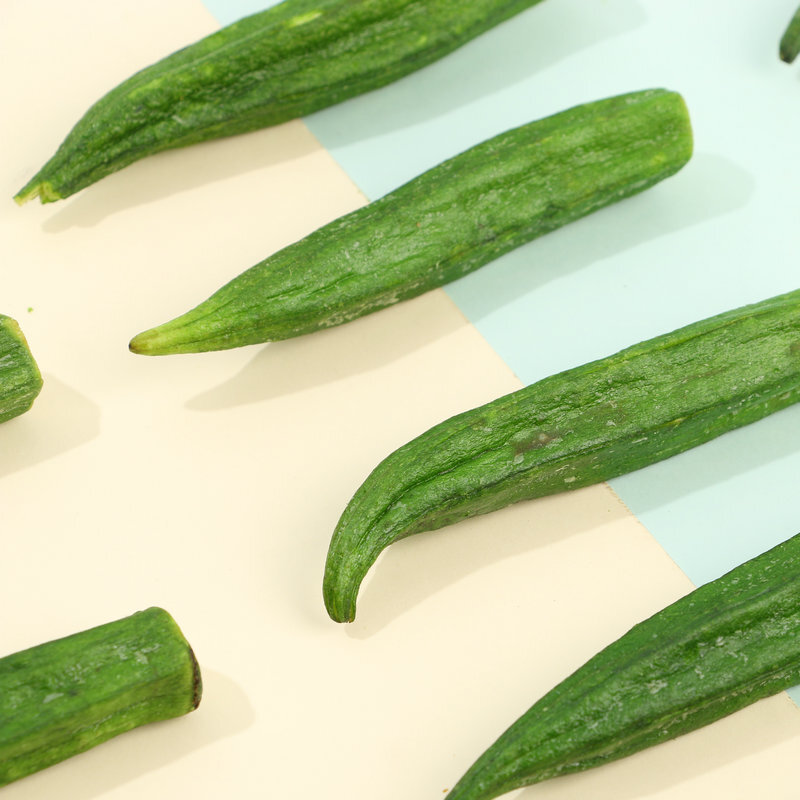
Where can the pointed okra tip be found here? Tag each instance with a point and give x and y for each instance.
(339, 588)
(167, 339)
(197, 331)
(340, 605)
(37, 188)
(146, 343)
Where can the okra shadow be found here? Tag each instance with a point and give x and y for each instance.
(59, 420)
(176, 171)
(525, 46)
(284, 368)
(725, 501)
(413, 570)
(709, 187)
(224, 711)
(737, 453)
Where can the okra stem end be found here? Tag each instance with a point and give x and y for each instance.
(42, 189)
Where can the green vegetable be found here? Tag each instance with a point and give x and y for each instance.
(572, 429)
(790, 41)
(718, 649)
(443, 224)
(279, 64)
(20, 380)
(66, 696)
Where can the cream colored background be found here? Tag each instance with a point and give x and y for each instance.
(210, 484)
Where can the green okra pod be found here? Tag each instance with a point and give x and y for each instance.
(576, 428)
(65, 696)
(723, 646)
(282, 63)
(443, 224)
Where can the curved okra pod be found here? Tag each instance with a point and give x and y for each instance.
(579, 427)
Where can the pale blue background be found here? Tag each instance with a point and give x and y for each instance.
(722, 233)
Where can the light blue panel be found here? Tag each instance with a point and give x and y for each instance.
(720, 234)
(227, 11)
(725, 502)
(501, 79)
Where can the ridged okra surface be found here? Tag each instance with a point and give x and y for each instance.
(720, 648)
(63, 697)
(576, 428)
(443, 224)
(279, 64)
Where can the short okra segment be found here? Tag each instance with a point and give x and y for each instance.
(443, 224)
(576, 428)
(20, 379)
(720, 648)
(282, 63)
(790, 41)
(68, 695)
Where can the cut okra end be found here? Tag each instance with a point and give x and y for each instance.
(68, 695)
(20, 378)
(42, 189)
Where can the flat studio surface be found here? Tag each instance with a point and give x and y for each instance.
(210, 484)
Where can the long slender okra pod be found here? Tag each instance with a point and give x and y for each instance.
(443, 224)
(279, 64)
(572, 429)
(720, 648)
